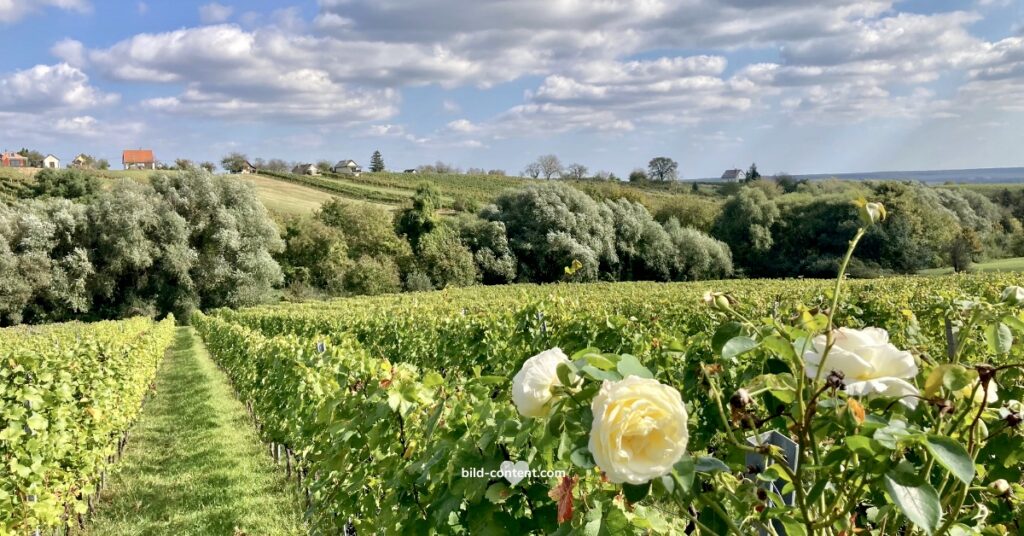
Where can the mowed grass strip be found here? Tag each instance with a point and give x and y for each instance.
(194, 465)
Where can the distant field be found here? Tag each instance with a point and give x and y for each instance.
(1002, 265)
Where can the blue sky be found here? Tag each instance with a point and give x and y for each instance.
(796, 85)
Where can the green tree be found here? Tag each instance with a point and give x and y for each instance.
(208, 166)
(643, 248)
(445, 260)
(35, 158)
(745, 224)
(662, 168)
(691, 211)
(495, 262)
(368, 229)
(551, 225)
(66, 183)
(233, 162)
(420, 216)
(965, 250)
(314, 254)
(696, 255)
(752, 174)
(376, 162)
(373, 275)
(637, 175)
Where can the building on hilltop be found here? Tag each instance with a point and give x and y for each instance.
(306, 169)
(347, 167)
(14, 160)
(82, 161)
(246, 169)
(51, 162)
(138, 159)
(734, 175)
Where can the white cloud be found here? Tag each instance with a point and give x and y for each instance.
(213, 13)
(451, 106)
(142, 8)
(51, 87)
(14, 10)
(71, 51)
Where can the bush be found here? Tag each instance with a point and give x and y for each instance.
(690, 211)
(445, 259)
(315, 254)
(186, 241)
(369, 275)
(697, 255)
(551, 225)
(418, 282)
(66, 183)
(495, 262)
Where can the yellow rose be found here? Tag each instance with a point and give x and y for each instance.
(639, 429)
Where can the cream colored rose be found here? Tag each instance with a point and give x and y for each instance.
(870, 364)
(531, 386)
(639, 430)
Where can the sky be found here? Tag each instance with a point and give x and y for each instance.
(798, 86)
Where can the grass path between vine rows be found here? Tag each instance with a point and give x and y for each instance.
(194, 465)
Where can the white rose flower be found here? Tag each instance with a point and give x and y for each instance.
(1013, 295)
(870, 364)
(639, 430)
(531, 386)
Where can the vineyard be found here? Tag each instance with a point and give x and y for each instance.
(379, 406)
(69, 393)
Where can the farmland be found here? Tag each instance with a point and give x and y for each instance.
(349, 377)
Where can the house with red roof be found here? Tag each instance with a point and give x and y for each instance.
(10, 159)
(138, 159)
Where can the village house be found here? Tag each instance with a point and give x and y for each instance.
(51, 162)
(8, 159)
(82, 161)
(347, 167)
(247, 168)
(138, 159)
(733, 175)
(306, 169)
(411, 171)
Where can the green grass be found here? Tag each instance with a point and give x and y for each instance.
(1015, 264)
(194, 465)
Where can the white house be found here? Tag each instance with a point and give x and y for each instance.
(733, 175)
(306, 169)
(347, 167)
(51, 162)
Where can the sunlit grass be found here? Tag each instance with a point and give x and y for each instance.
(194, 465)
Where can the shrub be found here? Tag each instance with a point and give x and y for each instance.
(551, 225)
(444, 259)
(369, 275)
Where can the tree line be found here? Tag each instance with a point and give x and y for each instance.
(70, 249)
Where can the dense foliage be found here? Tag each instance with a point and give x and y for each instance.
(409, 390)
(68, 395)
(187, 240)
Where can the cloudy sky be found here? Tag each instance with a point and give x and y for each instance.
(804, 86)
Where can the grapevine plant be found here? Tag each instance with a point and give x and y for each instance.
(783, 409)
(69, 393)
(880, 441)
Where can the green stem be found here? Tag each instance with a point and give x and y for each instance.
(721, 513)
